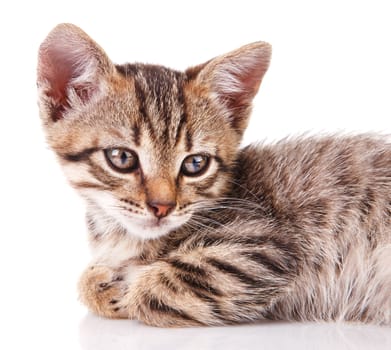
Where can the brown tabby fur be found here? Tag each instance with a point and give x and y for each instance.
(297, 230)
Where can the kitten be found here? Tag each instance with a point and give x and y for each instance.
(185, 228)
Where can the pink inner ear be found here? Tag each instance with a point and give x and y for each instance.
(55, 71)
(59, 67)
(249, 82)
(235, 79)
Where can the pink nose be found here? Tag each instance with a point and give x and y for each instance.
(160, 210)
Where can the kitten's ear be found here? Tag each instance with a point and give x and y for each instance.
(70, 70)
(234, 79)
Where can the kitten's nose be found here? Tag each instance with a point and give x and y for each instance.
(160, 210)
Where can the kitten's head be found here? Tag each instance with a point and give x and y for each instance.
(145, 145)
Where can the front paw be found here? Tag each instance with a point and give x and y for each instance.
(103, 289)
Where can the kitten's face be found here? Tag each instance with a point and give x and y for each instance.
(144, 145)
(148, 154)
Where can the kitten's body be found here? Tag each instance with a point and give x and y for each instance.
(299, 230)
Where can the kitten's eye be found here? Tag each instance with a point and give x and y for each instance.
(121, 159)
(195, 165)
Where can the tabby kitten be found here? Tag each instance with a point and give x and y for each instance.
(185, 228)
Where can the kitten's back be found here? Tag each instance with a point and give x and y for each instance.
(333, 195)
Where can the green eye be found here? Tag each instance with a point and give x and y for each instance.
(195, 165)
(121, 159)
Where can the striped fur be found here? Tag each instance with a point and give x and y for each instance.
(298, 230)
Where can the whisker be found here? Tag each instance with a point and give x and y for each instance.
(234, 204)
(203, 223)
(244, 188)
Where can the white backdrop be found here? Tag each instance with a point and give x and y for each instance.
(330, 71)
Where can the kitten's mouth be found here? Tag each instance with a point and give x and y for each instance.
(168, 223)
(150, 228)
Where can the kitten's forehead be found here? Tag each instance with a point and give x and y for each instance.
(160, 100)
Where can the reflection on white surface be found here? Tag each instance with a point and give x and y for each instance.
(98, 334)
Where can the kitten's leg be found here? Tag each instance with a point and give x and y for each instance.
(167, 297)
(218, 282)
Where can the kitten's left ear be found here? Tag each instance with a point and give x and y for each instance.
(71, 70)
(234, 79)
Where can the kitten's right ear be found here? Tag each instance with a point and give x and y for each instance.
(233, 80)
(71, 68)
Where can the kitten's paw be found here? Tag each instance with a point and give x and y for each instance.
(103, 290)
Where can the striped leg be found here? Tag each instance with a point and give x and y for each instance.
(218, 282)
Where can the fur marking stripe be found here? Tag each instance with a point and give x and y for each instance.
(206, 183)
(212, 303)
(181, 124)
(141, 99)
(89, 185)
(189, 268)
(233, 271)
(189, 141)
(194, 283)
(159, 306)
(136, 135)
(79, 156)
(267, 262)
(166, 281)
(103, 176)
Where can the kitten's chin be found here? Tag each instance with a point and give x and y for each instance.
(152, 228)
